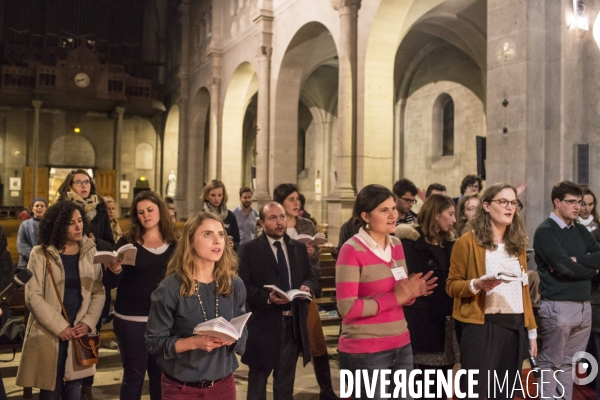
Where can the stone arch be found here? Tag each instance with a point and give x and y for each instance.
(72, 151)
(437, 126)
(311, 47)
(242, 86)
(393, 21)
(144, 156)
(171, 143)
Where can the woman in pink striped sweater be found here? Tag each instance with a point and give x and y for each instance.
(372, 286)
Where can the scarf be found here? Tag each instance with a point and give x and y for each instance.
(588, 222)
(88, 205)
(221, 211)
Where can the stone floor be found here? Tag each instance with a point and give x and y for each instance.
(109, 375)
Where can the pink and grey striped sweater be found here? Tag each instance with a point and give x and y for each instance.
(372, 320)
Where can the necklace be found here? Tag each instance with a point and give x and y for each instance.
(197, 284)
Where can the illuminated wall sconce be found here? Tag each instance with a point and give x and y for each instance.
(77, 129)
(579, 19)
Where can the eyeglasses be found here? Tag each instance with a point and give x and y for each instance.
(81, 183)
(410, 201)
(504, 203)
(574, 202)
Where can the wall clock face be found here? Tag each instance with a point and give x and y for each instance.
(82, 80)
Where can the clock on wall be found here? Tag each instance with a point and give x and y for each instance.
(82, 80)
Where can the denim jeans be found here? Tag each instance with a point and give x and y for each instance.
(136, 360)
(70, 390)
(397, 359)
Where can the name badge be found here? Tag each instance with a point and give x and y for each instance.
(399, 273)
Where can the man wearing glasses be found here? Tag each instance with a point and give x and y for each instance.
(568, 258)
(406, 193)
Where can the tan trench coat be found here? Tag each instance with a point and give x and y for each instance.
(40, 347)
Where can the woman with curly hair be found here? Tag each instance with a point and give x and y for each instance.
(495, 312)
(70, 254)
(154, 235)
(215, 199)
(201, 284)
(79, 188)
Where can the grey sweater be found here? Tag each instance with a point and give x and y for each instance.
(27, 238)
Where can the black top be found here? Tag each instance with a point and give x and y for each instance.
(136, 283)
(426, 317)
(554, 247)
(73, 298)
(172, 317)
(101, 229)
(231, 226)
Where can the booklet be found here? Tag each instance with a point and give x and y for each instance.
(290, 294)
(504, 276)
(125, 253)
(229, 331)
(316, 240)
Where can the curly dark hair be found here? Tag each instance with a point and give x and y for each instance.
(54, 226)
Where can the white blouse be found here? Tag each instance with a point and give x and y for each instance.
(506, 298)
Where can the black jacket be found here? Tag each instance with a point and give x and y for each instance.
(258, 267)
(426, 317)
(100, 227)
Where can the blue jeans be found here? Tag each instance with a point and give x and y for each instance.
(397, 359)
(136, 360)
(70, 390)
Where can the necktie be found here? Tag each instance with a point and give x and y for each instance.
(282, 267)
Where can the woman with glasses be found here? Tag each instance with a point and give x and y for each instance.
(79, 188)
(467, 208)
(373, 286)
(496, 313)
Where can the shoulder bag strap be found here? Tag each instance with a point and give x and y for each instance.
(49, 271)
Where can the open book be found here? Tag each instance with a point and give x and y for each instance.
(290, 294)
(125, 253)
(223, 329)
(504, 276)
(316, 240)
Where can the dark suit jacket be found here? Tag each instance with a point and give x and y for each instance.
(258, 267)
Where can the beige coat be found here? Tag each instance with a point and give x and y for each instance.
(40, 348)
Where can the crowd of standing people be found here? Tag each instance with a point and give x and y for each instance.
(422, 290)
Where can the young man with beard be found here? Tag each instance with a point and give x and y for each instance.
(278, 329)
(246, 216)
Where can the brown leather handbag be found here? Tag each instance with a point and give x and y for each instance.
(85, 347)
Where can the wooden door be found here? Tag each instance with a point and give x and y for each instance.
(106, 182)
(43, 182)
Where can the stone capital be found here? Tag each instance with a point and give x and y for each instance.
(264, 51)
(37, 104)
(346, 5)
(119, 111)
(213, 81)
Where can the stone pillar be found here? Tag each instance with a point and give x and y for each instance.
(340, 202)
(215, 90)
(264, 19)
(182, 101)
(37, 104)
(516, 128)
(119, 111)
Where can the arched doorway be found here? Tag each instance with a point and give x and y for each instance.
(170, 146)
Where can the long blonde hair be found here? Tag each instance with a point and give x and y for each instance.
(182, 263)
(515, 239)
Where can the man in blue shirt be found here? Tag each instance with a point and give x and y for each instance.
(246, 216)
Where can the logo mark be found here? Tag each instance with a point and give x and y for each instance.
(584, 364)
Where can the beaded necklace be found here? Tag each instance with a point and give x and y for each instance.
(197, 284)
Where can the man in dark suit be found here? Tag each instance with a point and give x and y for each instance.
(277, 330)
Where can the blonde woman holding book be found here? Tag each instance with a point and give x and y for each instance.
(201, 284)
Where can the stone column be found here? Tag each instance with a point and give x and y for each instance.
(340, 202)
(215, 88)
(119, 111)
(37, 104)
(182, 101)
(264, 19)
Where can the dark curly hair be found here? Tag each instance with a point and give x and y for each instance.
(54, 226)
